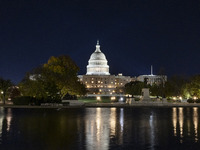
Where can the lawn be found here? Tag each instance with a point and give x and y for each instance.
(95, 101)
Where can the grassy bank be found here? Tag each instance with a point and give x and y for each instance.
(94, 100)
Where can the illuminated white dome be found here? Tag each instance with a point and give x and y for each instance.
(97, 64)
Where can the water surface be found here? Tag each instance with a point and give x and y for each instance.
(99, 128)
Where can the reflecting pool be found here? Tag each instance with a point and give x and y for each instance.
(100, 128)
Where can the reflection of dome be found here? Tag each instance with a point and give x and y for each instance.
(97, 64)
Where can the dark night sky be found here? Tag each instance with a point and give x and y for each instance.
(133, 34)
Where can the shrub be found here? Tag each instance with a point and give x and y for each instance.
(190, 100)
(70, 97)
(137, 99)
(38, 101)
(197, 101)
(27, 100)
(23, 100)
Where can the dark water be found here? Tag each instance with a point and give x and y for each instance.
(100, 128)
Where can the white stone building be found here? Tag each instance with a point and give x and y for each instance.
(98, 80)
(152, 79)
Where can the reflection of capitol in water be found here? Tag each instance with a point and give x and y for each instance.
(183, 123)
(102, 125)
(105, 126)
(100, 128)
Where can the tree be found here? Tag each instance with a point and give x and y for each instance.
(174, 86)
(134, 87)
(13, 92)
(54, 79)
(4, 86)
(38, 85)
(161, 73)
(155, 90)
(192, 88)
(64, 73)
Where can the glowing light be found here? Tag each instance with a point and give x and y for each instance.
(195, 98)
(113, 98)
(121, 99)
(98, 98)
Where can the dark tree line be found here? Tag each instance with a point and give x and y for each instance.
(175, 86)
(52, 80)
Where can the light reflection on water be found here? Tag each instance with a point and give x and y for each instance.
(195, 119)
(5, 120)
(152, 130)
(113, 122)
(1, 123)
(181, 123)
(101, 128)
(178, 118)
(8, 118)
(174, 120)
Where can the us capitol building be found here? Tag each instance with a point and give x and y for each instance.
(98, 80)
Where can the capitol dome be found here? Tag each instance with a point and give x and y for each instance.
(97, 64)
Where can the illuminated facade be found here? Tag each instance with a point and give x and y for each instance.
(153, 79)
(105, 84)
(97, 64)
(98, 79)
